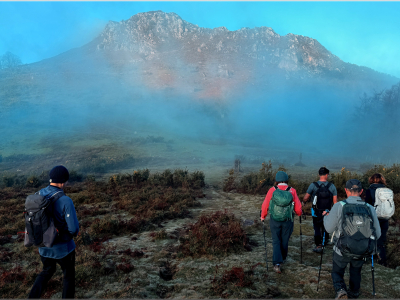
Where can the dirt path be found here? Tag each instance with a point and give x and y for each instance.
(193, 277)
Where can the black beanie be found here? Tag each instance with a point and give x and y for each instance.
(59, 174)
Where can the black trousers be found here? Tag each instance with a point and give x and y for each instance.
(339, 266)
(381, 243)
(67, 264)
(319, 230)
(280, 232)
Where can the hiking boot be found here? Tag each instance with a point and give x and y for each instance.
(341, 294)
(277, 269)
(353, 295)
(317, 249)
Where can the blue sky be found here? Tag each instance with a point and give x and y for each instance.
(362, 33)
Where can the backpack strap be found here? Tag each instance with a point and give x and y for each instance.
(316, 184)
(287, 189)
(343, 202)
(329, 184)
(57, 195)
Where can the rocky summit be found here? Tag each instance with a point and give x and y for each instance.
(174, 50)
(162, 52)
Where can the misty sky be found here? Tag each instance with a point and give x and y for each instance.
(362, 33)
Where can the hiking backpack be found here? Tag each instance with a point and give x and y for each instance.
(384, 204)
(357, 240)
(282, 205)
(323, 198)
(39, 224)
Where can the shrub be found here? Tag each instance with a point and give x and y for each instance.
(12, 275)
(8, 181)
(259, 182)
(396, 215)
(34, 182)
(229, 182)
(217, 234)
(235, 277)
(339, 179)
(129, 252)
(159, 235)
(125, 267)
(74, 176)
(106, 226)
(300, 186)
(391, 174)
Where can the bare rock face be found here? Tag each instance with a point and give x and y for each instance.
(157, 32)
(211, 62)
(163, 53)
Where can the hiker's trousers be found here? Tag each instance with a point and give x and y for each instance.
(338, 269)
(381, 244)
(67, 264)
(281, 232)
(318, 224)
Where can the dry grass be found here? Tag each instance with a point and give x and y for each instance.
(125, 204)
(217, 234)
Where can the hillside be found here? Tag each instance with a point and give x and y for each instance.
(160, 52)
(133, 230)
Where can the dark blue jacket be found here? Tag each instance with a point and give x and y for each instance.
(66, 222)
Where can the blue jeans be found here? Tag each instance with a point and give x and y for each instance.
(281, 232)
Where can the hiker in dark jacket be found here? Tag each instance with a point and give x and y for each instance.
(63, 250)
(333, 224)
(378, 181)
(318, 223)
(280, 230)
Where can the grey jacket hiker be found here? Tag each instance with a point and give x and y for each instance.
(333, 221)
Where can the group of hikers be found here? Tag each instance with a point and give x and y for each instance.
(358, 226)
(356, 230)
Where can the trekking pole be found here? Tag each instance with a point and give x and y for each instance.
(320, 263)
(373, 278)
(265, 243)
(301, 243)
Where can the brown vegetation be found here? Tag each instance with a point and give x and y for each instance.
(217, 234)
(125, 204)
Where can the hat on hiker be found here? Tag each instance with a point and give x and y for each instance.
(281, 176)
(323, 171)
(59, 174)
(353, 184)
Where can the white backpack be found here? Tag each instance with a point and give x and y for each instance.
(384, 204)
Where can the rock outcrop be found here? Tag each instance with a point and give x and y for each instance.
(162, 52)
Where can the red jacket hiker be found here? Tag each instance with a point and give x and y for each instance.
(281, 186)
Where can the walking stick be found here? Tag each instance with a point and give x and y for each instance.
(301, 243)
(373, 278)
(265, 243)
(320, 263)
